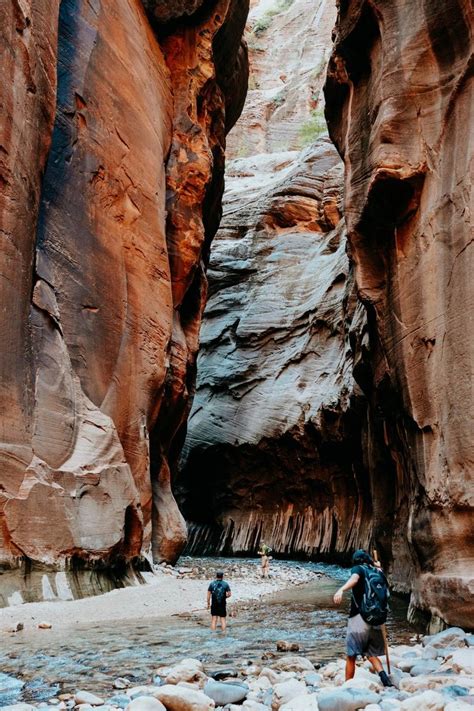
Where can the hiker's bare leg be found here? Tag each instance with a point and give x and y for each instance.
(223, 623)
(376, 663)
(213, 623)
(350, 667)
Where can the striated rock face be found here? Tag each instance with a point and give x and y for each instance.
(399, 106)
(274, 445)
(289, 43)
(112, 153)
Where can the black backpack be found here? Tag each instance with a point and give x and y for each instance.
(373, 606)
(219, 589)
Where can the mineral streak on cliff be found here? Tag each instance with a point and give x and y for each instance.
(399, 106)
(274, 445)
(111, 186)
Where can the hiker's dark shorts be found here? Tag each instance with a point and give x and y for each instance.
(363, 638)
(218, 610)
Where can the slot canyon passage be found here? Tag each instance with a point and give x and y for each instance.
(188, 369)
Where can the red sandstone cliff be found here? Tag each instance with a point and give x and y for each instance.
(399, 105)
(111, 164)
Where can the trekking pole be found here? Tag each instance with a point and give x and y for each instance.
(384, 629)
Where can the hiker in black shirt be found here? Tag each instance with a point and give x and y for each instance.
(217, 594)
(362, 638)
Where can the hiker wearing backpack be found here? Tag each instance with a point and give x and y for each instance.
(217, 594)
(369, 607)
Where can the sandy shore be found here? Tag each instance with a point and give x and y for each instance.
(166, 592)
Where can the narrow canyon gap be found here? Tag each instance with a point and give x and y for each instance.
(334, 399)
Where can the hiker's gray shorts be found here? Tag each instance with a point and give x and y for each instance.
(363, 638)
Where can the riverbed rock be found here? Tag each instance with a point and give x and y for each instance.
(462, 660)
(425, 666)
(225, 692)
(285, 691)
(284, 646)
(180, 698)
(293, 664)
(146, 703)
(186, 670)
(304, 702)
(398, 106)
(143, 690)
(19, 707)
(427, 701)
(86, 697)
(451, 637)
(345, 699)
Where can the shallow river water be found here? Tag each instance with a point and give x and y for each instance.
(92, 656)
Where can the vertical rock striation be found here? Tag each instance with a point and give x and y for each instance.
(103, 262)
(399, 106)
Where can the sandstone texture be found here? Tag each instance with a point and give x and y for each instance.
(289, 44)
(399, 106)
(111, 160)
(274, 438)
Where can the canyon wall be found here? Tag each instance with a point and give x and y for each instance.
(275, 443)
(274, 449)
(399, 106)
(114, 118)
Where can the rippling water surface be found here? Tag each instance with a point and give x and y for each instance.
(92, 656)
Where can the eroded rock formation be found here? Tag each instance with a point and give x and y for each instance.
(274, 445)
(399, 106)
(275, 442)
(112, 154)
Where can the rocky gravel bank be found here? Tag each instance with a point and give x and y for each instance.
(434, 673)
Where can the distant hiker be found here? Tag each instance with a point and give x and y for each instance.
(369, 606)
(217, 594)
(265, 559)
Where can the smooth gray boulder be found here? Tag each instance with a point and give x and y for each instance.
(424, 666)
(346, 699)
(224, 692)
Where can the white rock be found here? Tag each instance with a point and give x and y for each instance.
(251, 705)
(463, 660)
(186, 670)
(426, 701)
(293, 664)
(146, 703)
(286, 691)
(452, 637)
(270, 674)
(304, 702)
(179, 698)
(373, 707)
(458, 705)
(85, 697)
(19, 707)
